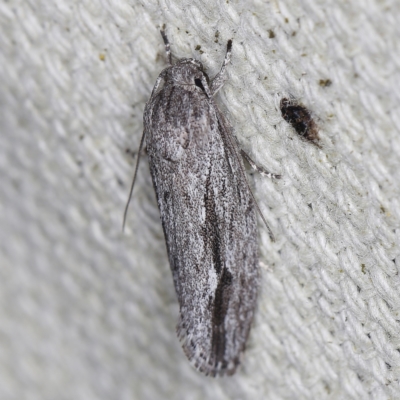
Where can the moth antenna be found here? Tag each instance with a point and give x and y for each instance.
(167, 46)
(220, 78)
(133, 180)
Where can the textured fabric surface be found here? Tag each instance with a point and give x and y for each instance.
(87, 312)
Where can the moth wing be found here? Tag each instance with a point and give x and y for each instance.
(210, 227)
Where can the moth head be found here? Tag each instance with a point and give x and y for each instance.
(188, 72)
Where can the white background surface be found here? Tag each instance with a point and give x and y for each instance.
(87, 312)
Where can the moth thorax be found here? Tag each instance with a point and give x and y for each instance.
(187, 72)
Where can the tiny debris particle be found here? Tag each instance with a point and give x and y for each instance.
(198, 47)
(130, 152)
(102, 56)
(325, 82)
(363, 269)
(271, 34)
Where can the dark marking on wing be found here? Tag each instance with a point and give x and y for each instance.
(166, 196)
(198, 83)
(211, 235)
(221, 305)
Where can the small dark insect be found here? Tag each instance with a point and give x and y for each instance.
(300, 118)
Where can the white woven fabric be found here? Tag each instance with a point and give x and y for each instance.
(87, 312)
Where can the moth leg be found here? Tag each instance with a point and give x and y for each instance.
(167, 46)
(262, 171)
(157, 84)
(220, 78)
(134, 178)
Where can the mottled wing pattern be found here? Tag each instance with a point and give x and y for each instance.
(209, 220)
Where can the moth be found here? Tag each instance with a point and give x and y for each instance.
(207, 210)
(300, 118)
